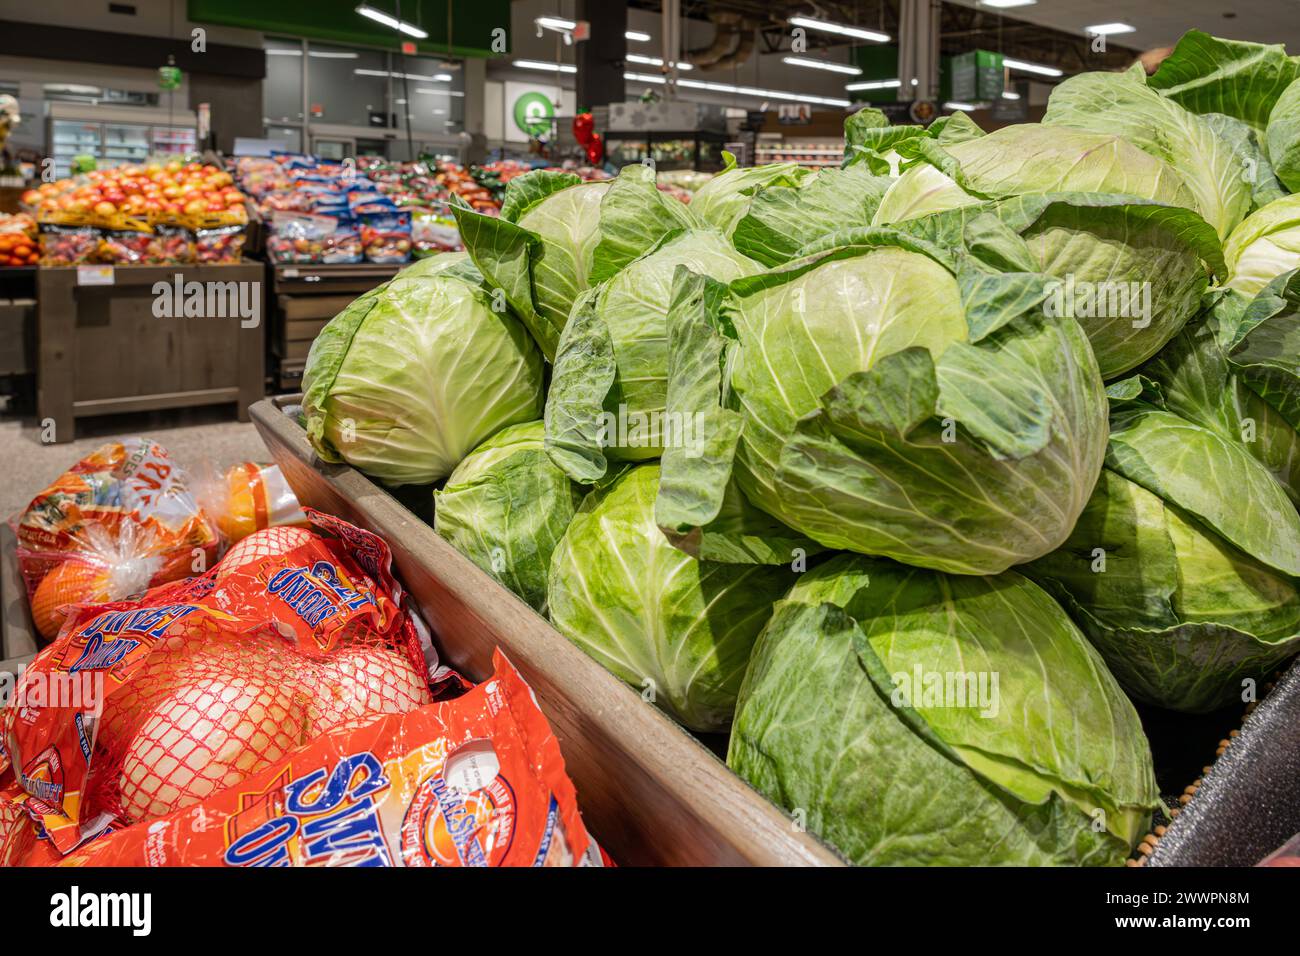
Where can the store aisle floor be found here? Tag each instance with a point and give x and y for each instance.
(190, 436)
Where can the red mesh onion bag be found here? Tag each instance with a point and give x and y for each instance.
(200, 683)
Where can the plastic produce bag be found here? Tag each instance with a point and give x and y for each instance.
(120, 520)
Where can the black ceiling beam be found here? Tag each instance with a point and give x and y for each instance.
(58, 42)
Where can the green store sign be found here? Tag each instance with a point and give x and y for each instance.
(533, 113)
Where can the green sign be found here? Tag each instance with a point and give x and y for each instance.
(533, 113)
(977, 76)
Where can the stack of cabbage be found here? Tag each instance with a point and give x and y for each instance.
(904, 472)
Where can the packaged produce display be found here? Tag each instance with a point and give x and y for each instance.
(285, 655)
(122, 519)
(140, 215)
(18, 240)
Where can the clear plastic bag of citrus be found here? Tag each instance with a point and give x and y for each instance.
(122, 519)
(148, 706)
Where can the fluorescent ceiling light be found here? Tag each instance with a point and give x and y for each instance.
(1003, 4)
(550, 67)
(1008, 95)
(327, 55)
(636, 36)
(1031, 67)
(738, 90)
(429, 92)
(1106, 29)
(839, 28)
(875, 85)
(653, 61)
(821, 65)
(958, 106)
(436, 78)
(555, 23)
(401, 26)
(284, 52)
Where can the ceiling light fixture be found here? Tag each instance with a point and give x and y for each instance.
(653, 61)
(875, 85)
(636, 36)
(821, 65)
(739, 90)
(959, 106)
(549, 67)
(392, 22)
(1031, 67)
(841, 29)
(1107, 29)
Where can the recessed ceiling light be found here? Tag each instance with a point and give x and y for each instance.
(1106, 29)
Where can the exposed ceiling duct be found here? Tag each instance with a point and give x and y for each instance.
(732, 46)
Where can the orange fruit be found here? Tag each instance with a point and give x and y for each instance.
(72, 582)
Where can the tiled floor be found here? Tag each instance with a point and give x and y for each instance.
(191, 437)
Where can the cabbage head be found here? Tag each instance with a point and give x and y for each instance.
(725, 199)
(917, 718)
(558, 236)
(405, 381)
(611, 369)
(1182, 568)
(505, 507)
(1264, 246)
(1110, 223)
(1211, 165)
(887, 396)
(671, 626)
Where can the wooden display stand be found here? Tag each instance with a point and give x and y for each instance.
(307, 297)
(102, 349)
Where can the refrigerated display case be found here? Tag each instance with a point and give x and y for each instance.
(116, 135)
(691, 149)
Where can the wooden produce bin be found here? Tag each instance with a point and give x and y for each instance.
(650, 792)
(305, 298)
(17, 632)
(102, 349)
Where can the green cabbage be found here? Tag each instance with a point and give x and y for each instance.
(406, 380)
(558, 236)
(611, 368)
(725, 199)
(915, 718)
(886, 397)
(678, 629)
(1096, 212)
(1182, 567)
(505, 507)
(1264, 246)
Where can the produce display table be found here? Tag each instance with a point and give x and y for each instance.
(650, 792)
(102, 348)
(17, 320)
(305, 298)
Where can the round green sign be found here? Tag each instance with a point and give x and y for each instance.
(533, 113)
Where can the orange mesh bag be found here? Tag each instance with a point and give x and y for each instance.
(200, 683)
(120, 520)
(474, 781)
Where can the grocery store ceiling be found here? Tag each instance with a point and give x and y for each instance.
(1159, 23)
